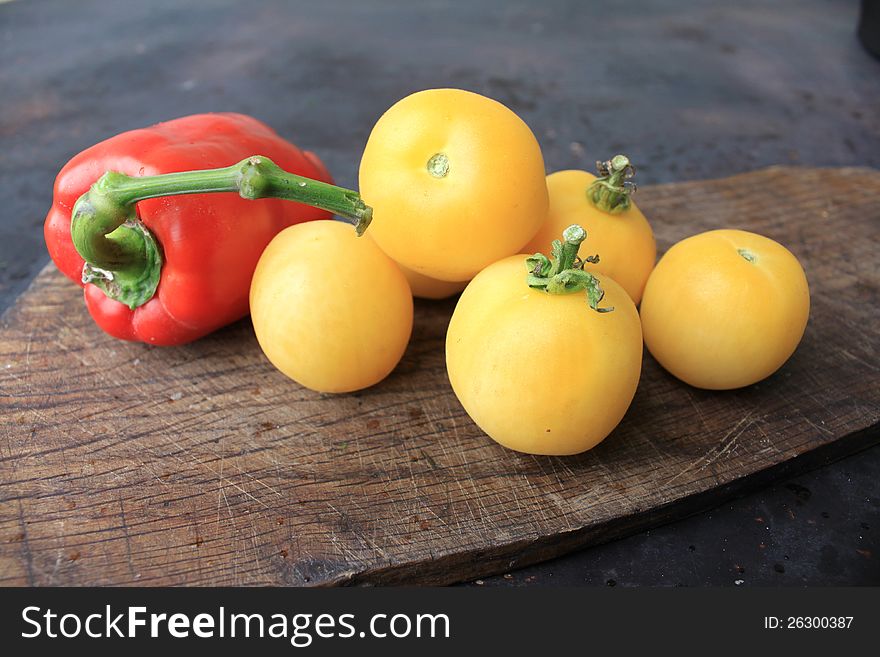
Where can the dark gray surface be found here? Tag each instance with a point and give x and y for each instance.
(686, 89)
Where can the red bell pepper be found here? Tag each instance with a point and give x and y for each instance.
(166, 271)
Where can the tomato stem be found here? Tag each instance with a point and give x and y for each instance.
(124, 259)
(563, 272)
(611, 191)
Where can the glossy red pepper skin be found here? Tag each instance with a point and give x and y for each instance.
(210, 242)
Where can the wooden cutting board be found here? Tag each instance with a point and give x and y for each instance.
(125, 464)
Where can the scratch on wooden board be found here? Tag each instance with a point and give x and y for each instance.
(254, 541)
(234, 559)
(727, 443)
(26, 545)
(56, 567)
(259, 481)
(823, 430)
(481, 502)
(371, 544)
(147, 466)
(558, 501)
(59, 554)
(430, 510)
(563, 507)
(466, 499)
(343, 549)
(655, 448)
(598, 460)
(219, 490)
(696, 407)
(213, 471)
(731, 445)
(366, 541)
(124, 525)
(552, 463)
(870, 365)
(81, 421)
(71, 352)
(856, 333)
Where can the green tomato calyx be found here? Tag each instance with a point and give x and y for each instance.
(611, 191)
(563, 272)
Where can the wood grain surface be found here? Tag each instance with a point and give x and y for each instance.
(123, 464)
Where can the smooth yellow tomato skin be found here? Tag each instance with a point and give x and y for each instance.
(542, 373)
(449, 217)
(725, 309)
(330, 309)
(624, 241)
(425, 287)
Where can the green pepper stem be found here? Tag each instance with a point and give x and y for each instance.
(611, 191)
(123, 257)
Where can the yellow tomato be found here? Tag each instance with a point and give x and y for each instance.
(725, 309)
(425, 287)
(542, 373)
(330, 309)
(623, 240)
(456, 182)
